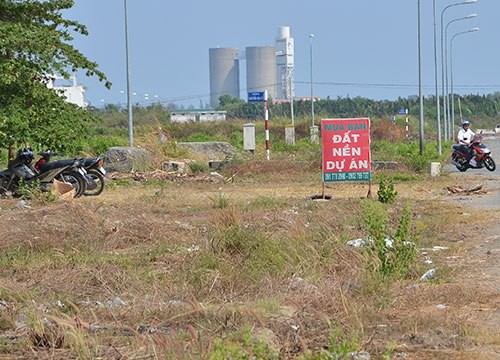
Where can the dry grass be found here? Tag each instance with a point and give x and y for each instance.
(157, 270)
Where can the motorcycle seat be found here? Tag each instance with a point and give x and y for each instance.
(87, 162)
(457, 147)
(56, 164)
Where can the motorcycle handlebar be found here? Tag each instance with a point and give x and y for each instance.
(48, 153)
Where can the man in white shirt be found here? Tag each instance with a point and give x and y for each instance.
(464, 137)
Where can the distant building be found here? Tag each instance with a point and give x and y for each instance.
(269, 67)
(285, 64)
(224, 73)
(197, 116)
(74, 93)
(261, 69)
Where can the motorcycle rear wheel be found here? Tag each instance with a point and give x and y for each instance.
(99, 181)
(76, 179)
(489, 164)
(462, 164)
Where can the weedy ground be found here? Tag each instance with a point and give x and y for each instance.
(203, 268)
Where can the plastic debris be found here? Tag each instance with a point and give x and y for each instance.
(21, 204)
(428, 275)
(116, 301)
(193, 248)
(389, 243)
(357, 243)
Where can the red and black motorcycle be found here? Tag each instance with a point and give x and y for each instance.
(21, 170)
(481, 156)
(94, 171)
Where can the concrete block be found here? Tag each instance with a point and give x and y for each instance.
(435, 169)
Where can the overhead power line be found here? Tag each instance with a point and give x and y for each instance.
(469, 87)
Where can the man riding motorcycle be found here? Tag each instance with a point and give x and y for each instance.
(464, 137)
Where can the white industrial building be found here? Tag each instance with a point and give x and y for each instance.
(284, 64)
(73, 93)
(267, 68)
(261, 69)
(224, 73)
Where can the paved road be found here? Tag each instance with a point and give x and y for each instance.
(485, 257)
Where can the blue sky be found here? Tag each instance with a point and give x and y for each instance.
(360, 48)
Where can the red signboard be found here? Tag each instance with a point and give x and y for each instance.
(346, 149)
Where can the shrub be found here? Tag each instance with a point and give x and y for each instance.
(386, 192)
(220, 201)
(33, 191)
(387, 130)
(410, 155)
(99, 144)
(247, 347)
(395, 253)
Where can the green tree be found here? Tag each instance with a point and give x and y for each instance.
(228, 101)
(34, 45)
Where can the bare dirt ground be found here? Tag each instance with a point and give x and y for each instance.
(120, 273)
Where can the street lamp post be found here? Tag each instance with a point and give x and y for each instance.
(311, 37)
(420, 96)
(314, 129)
(438, 107)
(450, 123)
(445, 104)
(129, 94)
(290, 94)
(451, 70)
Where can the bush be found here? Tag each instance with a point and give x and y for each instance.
(99, 144)
(393, 253)
(410, 155)
(33, 191)
(387, 130)
(386, 192)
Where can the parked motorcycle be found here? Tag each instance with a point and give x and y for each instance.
(20, 170)
(94, 176)
(480, 153)
(96, 173)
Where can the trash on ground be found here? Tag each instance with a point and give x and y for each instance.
(460, 190)
(428, 275)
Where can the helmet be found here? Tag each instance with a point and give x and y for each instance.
(465, 122)
(26, 155)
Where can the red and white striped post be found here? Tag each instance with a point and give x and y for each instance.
(267, 124)
(407, 132)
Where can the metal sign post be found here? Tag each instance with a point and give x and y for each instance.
(267, 125)
(256, 96)
(261, 96)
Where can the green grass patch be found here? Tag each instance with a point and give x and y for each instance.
(393, 252)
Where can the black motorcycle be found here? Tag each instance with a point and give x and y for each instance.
(94, 172)
(20, 170)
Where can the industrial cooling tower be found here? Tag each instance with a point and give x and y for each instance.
(261, 69)
(224, 73)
